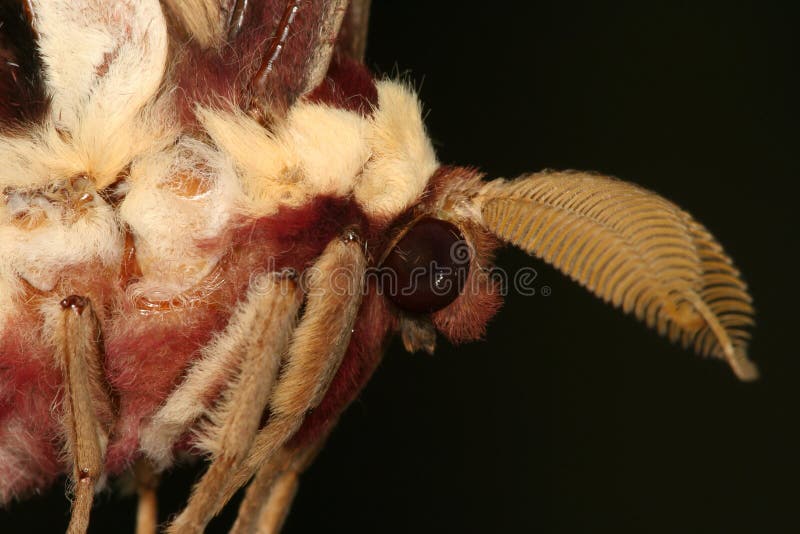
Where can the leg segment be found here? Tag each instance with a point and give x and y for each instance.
(276, 509)
(259, 491)
(232, 426)
(189, 402)
(269, 496)
(335, 286)
(146, 486)
(85, 401)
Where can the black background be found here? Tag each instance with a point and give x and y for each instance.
(572, 417)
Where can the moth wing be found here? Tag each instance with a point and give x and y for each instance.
(263, 55)
(297, 55)
(352, 40)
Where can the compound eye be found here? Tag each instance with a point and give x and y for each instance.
(427, 268)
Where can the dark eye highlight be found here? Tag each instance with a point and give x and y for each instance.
(426, 269)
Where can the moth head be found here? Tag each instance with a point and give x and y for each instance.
(436, 265)
(627, 245)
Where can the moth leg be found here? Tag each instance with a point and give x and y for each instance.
(259, 491)
(232, 426)
(270, 494)
(146, 488)
(335, 287)
(186, 404)
(276, 509)
(85, 398)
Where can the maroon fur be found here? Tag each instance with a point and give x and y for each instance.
(29, 390)
(148, 347)
(146, 356)
(238, 72)
(298, 235)
(31, 384)
(466, 317)
(348, 85)
(374, 323)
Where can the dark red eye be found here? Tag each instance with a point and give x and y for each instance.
(426, 269)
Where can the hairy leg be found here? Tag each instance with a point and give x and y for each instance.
(85, 398)
(259, 491)
(146, 488)
(233, 425)
(335, 286)
(269, 496)
(216, 367)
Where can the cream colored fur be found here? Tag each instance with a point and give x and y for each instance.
(103, 61)
(8, 294)
(110, 118)
(331, 147)
(170, 221)
(202, 19)
(102, 64)
(268, 167)
(384, 161)
(317, 150)
(402, 155)
(38, 255)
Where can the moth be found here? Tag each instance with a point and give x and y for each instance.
(214, 218)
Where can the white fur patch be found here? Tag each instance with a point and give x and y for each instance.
(384, 161)
(331, 147)
(103, 60)
(317, 150)
(60, 236)
(402, 155)
(8, 292)
(267, 167)
(176, 199)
